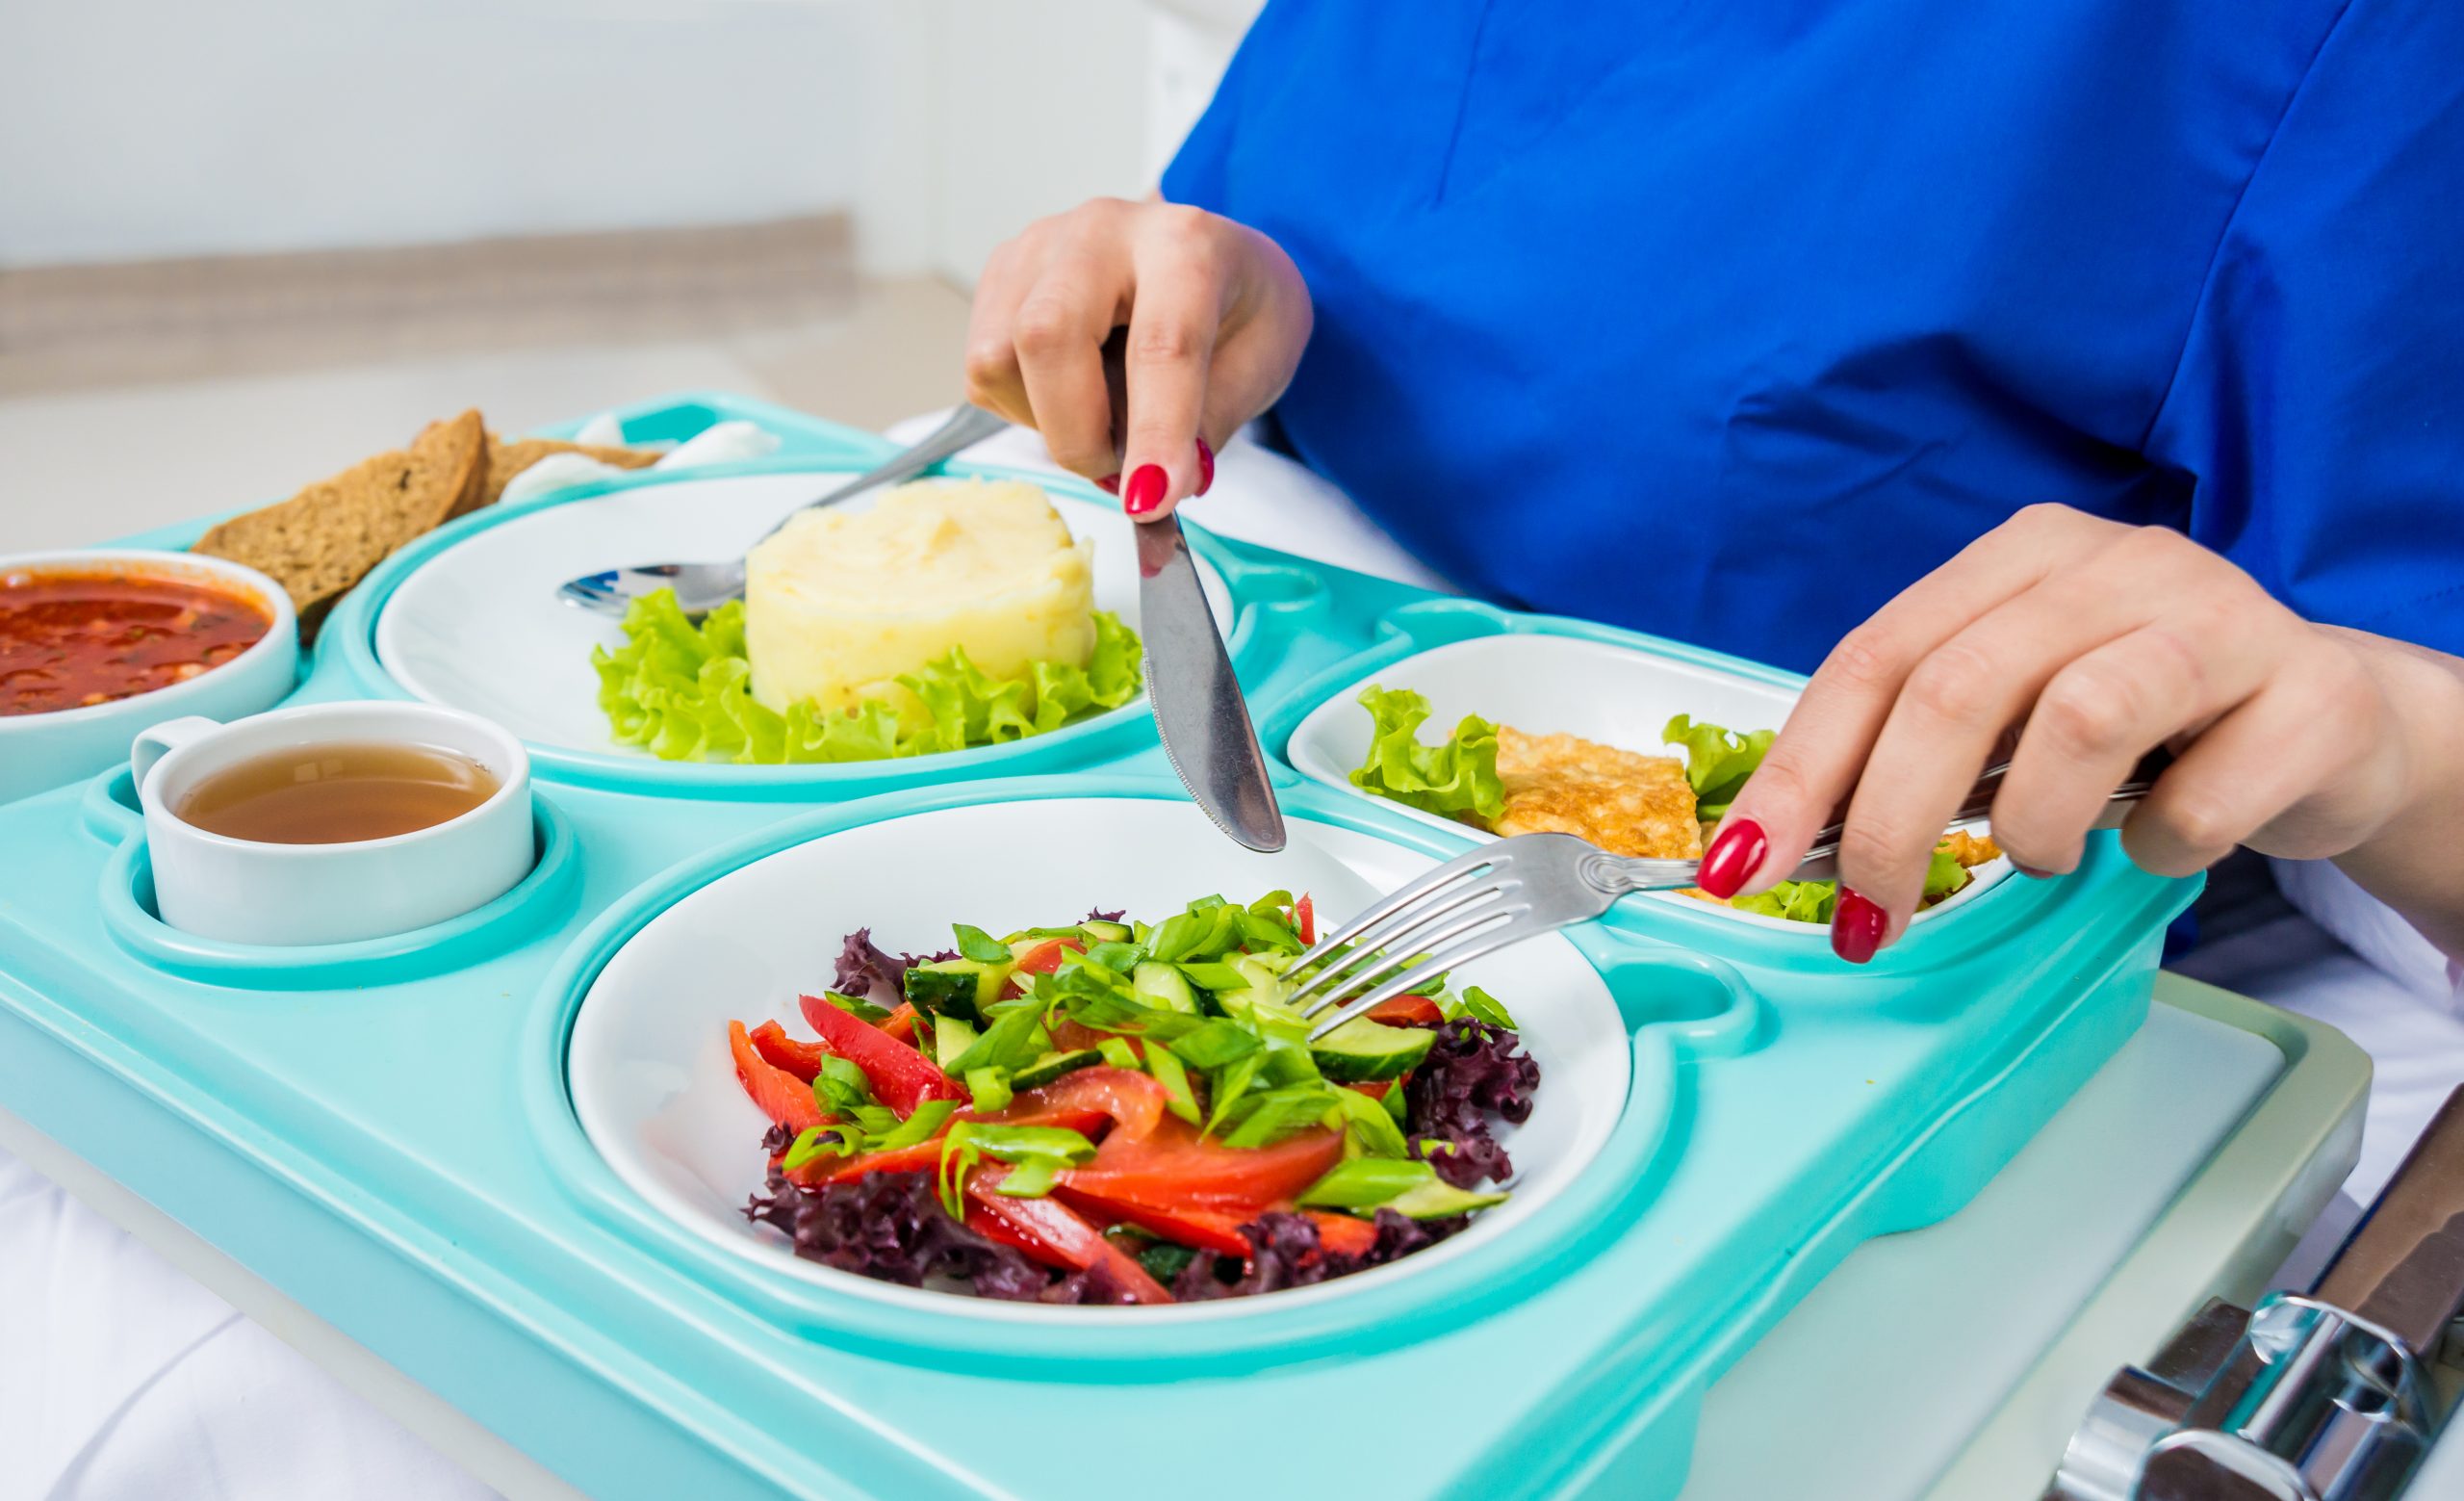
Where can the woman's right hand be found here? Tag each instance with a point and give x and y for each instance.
(1217, 317)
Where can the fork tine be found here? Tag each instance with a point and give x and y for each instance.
(1463, 953)
(1391, 929)
(1500, 908)
(1456, 870)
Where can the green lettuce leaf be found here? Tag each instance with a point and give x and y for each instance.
(684, 692)
(1812, 901)
(1457, 777)
(1717, 762)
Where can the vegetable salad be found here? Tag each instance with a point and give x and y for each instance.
(1123, 1112)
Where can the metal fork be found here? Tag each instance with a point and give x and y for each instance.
(703, 587)
(1532, 884)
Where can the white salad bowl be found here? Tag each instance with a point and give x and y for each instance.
(40, 751)
(1548, 684)
(479, 626)
(654, 1087)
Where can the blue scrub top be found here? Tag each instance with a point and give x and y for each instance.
(1727, 320)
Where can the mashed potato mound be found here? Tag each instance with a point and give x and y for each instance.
(840, 602)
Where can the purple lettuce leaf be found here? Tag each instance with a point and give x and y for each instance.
(1285, 1252)
(1473, 1070)
(868, 971)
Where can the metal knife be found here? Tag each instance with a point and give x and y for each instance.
(1199, 713)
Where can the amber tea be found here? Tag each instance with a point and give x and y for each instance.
(336, 794)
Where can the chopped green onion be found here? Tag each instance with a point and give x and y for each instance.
(1166, 1064)
(979, 946)
(1215, 975)
(990, 1088)
(1363, 1185)
(1030, 1179)
(1371, 1126)
(818, 1141)
(854, 1006)
(1216, 1043)
(1268, 1118)
(1117, 1052)
(1165, 1261)
(1229, 1086)
(1482, 1006)
(840, 1088)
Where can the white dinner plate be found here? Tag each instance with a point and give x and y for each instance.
(1550, 685)
(656, 1088)
(480, 626)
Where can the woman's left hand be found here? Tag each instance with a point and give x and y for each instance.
(2082, 644)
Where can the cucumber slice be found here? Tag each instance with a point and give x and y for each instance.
(1052, 1066)
(1164, 987)
(1099, 931)
(1362, 1050)
(952, 1037)
(956, 987)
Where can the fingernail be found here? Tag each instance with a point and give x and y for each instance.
(1109, 484)
(1145, 490)
(1733, 858)
(1205, 468)
(1856, 927)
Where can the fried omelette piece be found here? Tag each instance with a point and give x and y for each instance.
(1970, 851)
(1624, 803)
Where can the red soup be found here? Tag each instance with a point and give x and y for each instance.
(70, 639)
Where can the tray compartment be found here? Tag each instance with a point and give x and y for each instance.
(663, 1109)
(401, 631)
(1546, 676)
(541, 899)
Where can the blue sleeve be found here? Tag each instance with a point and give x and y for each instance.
(2319, 404)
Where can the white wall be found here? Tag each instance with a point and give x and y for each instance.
(133, 129)
(138, 129)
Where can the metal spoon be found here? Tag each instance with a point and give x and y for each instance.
(703, 587)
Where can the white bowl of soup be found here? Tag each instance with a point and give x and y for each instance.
(96, 645)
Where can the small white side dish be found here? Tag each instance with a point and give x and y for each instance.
(39, 751)
(284, 895)
(479, 626)
(1546, 685)
(656, 1093)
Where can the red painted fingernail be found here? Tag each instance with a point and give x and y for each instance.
(1733, 857)
(1856, 927)
(1145, 490)
(1205, 468)
(1109, 484)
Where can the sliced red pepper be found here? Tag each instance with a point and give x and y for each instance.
(1343, 1235)
(900, 1024)
(901, 1077)
(799, 1057)
(787, 1100)
(1135, 1100)
(1407, 1011)
(1060, 1230)
(1176, 1168)
(1203, 1230)
(1304, 920)
(1045, 957)
(1376, 1089)
(990, 1228)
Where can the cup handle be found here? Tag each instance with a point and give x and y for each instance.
(156, 741)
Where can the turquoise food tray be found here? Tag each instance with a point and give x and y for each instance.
(382, 1131)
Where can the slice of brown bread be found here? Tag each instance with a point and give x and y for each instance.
(510, 456)
(321, 542)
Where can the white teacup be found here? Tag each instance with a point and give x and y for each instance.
(248, 892)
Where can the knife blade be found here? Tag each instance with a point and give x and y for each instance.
(1200, 714)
